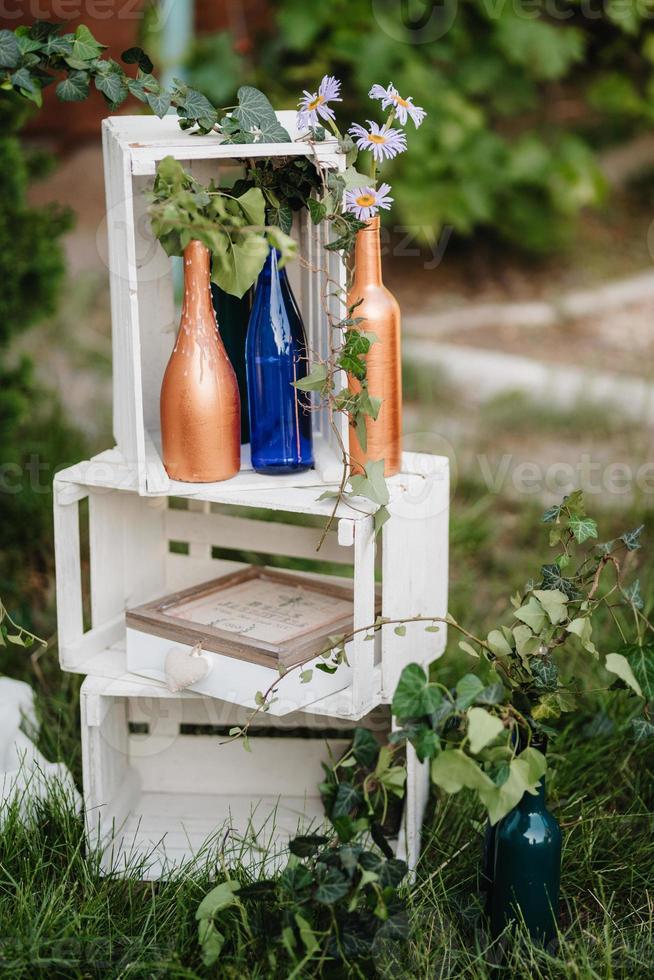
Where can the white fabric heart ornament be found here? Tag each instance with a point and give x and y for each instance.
(185, 667)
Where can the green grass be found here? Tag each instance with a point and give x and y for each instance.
(60, 918)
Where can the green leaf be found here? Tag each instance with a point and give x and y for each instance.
(9, 50)
(196, 106)
(307, 934)
(85, 46)
(632, 538)
(453, 770)
(583, 528)
(483, 728)
(317, 210)
(532, 614)
(333, 886)
(643, 729)
(211, 941)
(633, 594)
(499, 644)
(219, 898)
(253, 206)
(467, 690)
(552, 579)
(75, 88)
(137, 56)
(372, 485)
(315, 380)
(641, 661)
(159, 102)
(492, 694)
(618, 664)
(238, 269)
(554, 602)
(414, 695)
(306, 845)
(469, 649)
(346, 801)
(380, 517)
(365, 747)
(114, 87)
(525, 773)
(583, 628)
(255, 113)
(400, 630)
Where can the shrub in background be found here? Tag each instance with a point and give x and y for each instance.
(518, 101)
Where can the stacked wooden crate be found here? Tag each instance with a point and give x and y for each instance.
(162, 780)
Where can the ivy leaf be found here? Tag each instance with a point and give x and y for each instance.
(333, 886)
(194, 105)
(633, 595)
(483, 728)
(380, 517)
(554, 602)
(468, 648)
(453, 770)
(317, 210)
(583, 528)
(552, 514)
(365, 747)
(552, 579)
(545, 673)
(159, 102)
(467, 690)
(532, 614)
(306, 845)
(238, 268)
(346, 801)
(372, 485)
(211, 940)
(525, 773)
(137, 56)
(643, 729)
(85, 46)
(75, 88)
(114, 87)
(641, 660)
(315, 380)
(618, 664)
(583, 628)
(414, 696)
(9, 50)
(631, 539)
(499, 644)
(256, 115)
(492, 694)
(219, 898)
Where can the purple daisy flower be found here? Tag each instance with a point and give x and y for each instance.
(364, 202)
(404, 108)
(313, 106)
(383, 143)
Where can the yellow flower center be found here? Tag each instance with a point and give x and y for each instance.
(377, 138)
(365, 200)
(319, 99)
(399, 101)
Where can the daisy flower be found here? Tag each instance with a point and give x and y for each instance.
(364, 202)
(404, 108)
(314, 106)
(384, 143)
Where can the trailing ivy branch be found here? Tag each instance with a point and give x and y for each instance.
(11, 632)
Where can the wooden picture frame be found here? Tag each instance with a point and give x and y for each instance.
(248, 604)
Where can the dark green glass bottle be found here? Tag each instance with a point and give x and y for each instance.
(233, 315)
(527, 868)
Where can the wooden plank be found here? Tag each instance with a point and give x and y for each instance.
(363, 651)
(70, 622)
(123, 281)
(106, 554)
(241, 533)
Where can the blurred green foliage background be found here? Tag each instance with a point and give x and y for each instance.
(521, 96)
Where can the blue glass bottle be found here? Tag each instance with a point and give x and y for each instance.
(276, 356)
(527, 868)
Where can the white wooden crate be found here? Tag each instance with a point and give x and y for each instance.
(131, 561)
(163, 785)
(144, 318)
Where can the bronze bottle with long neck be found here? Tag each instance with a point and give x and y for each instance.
(381, 314)
(200, 405)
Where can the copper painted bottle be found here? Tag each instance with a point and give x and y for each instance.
(200, 405)
(383, 361)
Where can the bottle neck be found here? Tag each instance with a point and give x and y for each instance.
(197, 281)
(367, 255)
